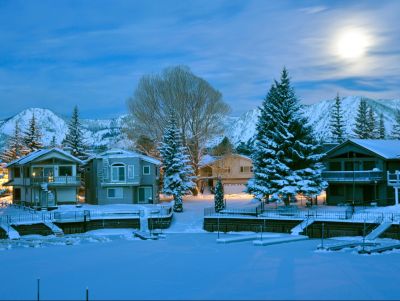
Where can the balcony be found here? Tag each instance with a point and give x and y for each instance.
(56, 181)
(393, 179)
(352, 176)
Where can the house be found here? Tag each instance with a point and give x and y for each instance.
(357, 170)
(122, 177)
(234, 170)
(44, 179)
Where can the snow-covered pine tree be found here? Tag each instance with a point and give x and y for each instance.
(287, 158)
(15, 146)
(219, 196)
(32, 136)
(337, 123)
(177, 171)
(396, 126)
(53, 142)
(361, 127)
(382, 130)
(373, 130)
(74, 140)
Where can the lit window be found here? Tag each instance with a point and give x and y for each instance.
(246, 168)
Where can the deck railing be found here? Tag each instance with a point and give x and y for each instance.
(350, 176)
(393, 178)
(61, 180)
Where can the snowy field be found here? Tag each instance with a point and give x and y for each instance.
(189, 264)
(194, 266)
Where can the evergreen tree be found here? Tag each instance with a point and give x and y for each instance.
(177, 171)
(286, 157)
(15, 148)
(337, 123)
(382, 130)
(53, 142)
(32, 136)
(219, 196)
(74, 140)
(362, 125)
(396, 126)
(245, 148)
(373, 130)
(225, 147)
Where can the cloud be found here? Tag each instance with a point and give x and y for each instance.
(94, 56)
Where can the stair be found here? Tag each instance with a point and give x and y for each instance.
(378, 230)
(56, 230)
(11, 232)
(300, 227)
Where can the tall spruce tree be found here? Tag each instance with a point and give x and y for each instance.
(15, 146)
(396, 126)
(219, 196)
(337, 123)
(177, 170)
(53, 142)
(286, 158)
(372, 126)
(74, 140)
(382, 129)
(362, 126)
(32, 136)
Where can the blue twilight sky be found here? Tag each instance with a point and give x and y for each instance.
(55, 54)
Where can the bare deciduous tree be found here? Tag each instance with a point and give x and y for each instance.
(198, 107)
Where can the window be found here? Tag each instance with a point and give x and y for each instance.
(146, 169)
(246, 168)
(17, 172)
(145, 194)
(131, 171)
(118, 173)
(336, 190)
(17, 194)
(65, 171)
(115, 193)
(335, 166)
(369, 165)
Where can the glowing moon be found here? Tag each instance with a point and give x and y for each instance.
(352, 44)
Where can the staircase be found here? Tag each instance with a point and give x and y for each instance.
(11, 232)
(54, 228)
(300, 227)
(378, 230)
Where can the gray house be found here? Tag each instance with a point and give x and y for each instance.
(121, 177)
(45, 178)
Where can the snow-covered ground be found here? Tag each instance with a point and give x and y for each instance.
(194, 266)
(189, 264)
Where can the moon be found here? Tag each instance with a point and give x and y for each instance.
(352, 44)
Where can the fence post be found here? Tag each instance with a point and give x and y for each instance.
(38, 289)
(87, 294)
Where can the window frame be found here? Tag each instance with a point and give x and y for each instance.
(116, 195)
(118, 166)
(149, 173)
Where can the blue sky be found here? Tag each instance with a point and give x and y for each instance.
(55, 54)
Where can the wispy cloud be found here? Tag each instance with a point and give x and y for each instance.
(60, 54)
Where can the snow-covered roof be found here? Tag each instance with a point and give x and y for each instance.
(120, 153)
(41, 152)
(208, 159)
(387, 149)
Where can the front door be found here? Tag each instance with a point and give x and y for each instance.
(145, 195)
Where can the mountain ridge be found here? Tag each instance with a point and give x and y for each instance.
(108, 132)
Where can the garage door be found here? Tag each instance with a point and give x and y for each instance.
(234, 188)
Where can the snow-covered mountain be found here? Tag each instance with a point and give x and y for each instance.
(243, 127)
(108, 132)
(97, 132)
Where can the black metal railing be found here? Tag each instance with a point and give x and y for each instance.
(349, 176)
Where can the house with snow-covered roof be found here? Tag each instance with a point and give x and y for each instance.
(234, 170)
(122, 177)
(44, 178)
(358, 170)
